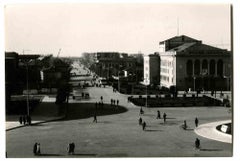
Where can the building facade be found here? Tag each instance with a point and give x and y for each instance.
(151, 69)
(187, 63)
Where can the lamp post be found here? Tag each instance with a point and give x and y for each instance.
(146, 82)
(194, 79)
(118, 82)
(27, 90)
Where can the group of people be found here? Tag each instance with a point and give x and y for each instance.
(143, 124)
(184, 126)
(158, 114)
(25, 120)
(114, 102)
(36, 149)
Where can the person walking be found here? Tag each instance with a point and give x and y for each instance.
(24, 120)
(38, 149)
(69, 149)
(35, 149)
(73, 148)
(141, 111)
(29, 120)
(140, 121)
(144, 126)
(196, 122)
(158, 115)
(95, 118)
(20, 120)
(184, 125)
(101, 98)
(164, 117)
(197, 144)
(117, 102)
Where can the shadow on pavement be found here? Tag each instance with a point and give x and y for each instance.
(48, 155)
(168, 123)
(153, 130)
(210, 149)
(76, 111)
(76, 154)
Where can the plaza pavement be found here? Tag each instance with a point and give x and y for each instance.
(120, 135)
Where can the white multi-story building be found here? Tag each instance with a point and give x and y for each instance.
(188, 63)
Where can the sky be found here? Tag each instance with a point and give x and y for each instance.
(97, 27)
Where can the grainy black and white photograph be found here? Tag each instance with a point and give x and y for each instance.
(118, 80)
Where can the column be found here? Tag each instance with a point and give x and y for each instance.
(200, 67)
(208, 68)
(193, 67)
(215, 68)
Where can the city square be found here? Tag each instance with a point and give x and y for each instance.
(112, 100)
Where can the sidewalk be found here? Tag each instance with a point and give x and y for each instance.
(209, 131)
(10, 125)
(14, 123)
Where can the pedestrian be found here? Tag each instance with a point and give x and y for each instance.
(38, 149)
(184, 125)
(196, 122)
(144, 125)
(111, 102)
(24, 120)
(197, 143)
(140, 121)
(35, 149)
(69, 148)
(101, 98)
(114, 101)
(73, 148)
(20, 120)
(29, 120)
(158, 115)
(117, 102)
(95, 118)
(164, 117)
(141, 111)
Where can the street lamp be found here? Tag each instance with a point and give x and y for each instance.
(146, 83)
(118, 82)
(27, 89)
(194, 79)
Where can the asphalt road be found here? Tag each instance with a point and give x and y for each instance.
(119, 135)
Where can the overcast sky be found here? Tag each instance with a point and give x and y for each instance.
(131, 28)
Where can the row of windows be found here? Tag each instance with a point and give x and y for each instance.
(165, 78)
(116, 65)
(164, 70)
(166, 63)
(212, 67)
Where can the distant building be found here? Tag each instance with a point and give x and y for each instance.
(188, 63)
(151, 69)
(109, 64)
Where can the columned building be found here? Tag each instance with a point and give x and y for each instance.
(187, 63)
